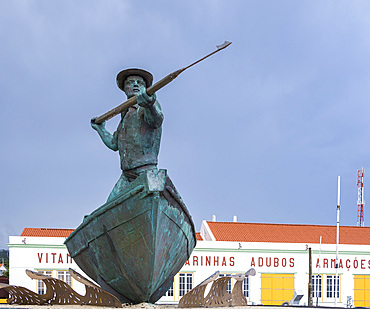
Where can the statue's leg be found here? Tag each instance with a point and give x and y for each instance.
(118, 187)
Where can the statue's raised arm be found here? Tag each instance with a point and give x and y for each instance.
(138, 134)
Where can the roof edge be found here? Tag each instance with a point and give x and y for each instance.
(288, 224)
(206, 232)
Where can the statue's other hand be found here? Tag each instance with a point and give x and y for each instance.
(96, 126)
(144, 100)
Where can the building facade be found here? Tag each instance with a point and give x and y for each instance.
(278, 252)
(41, 250)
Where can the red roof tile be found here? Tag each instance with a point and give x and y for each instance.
(288, 233)
(199, 237)
(46, 232)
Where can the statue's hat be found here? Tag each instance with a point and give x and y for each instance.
(121, 76)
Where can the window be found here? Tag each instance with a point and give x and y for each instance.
(185, 283)
(332, 284)
(228, 288)
(246, 287)
(316, 285)
(170, 291)
(65, 276)
(40, 284)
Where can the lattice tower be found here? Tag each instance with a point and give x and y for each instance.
(360, 199)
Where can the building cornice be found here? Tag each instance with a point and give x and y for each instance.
(279, 251)
(37, 246)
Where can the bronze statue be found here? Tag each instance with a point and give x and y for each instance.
(138, 134)
(135, 243)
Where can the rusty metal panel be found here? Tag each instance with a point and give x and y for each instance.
(22, 296)
(238, 298)
(60, 293)
(195, 297)
(218, 295)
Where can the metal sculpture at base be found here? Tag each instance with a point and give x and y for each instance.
(134, 245)
(237, 295)
(60, 293)
(217, 295)
(195, 297)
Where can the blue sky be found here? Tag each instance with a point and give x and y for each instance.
(260, 130)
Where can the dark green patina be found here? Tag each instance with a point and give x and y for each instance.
(136, 242)
(138, 134)
(134, 245)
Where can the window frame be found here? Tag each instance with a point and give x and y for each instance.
(187, 284)
(334, 281)
(40, 285)
(246, 287)
(171, 291)
(229, 287)
(65, 276)
(315, 284)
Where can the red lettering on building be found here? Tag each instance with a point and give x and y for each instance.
(355, 263)
(332, 263)
(317, 263)
(253, 263)
(260, 261)
(271, 262)
(325, 263)
(232, 263)
(201, 260)
(340, 263)
(348, 263)
(363, 264)
(268, 261)
(45, 258)
(283, 262)
(223, 262)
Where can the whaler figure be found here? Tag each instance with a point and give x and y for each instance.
(135, 244)
(138, 134)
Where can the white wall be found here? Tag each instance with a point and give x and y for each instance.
(235, 257)
(39, 253)
(49, 253)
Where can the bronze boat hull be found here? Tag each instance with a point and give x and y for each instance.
(134, 245)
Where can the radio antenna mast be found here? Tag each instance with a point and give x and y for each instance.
(360, 199)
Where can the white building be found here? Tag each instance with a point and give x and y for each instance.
(278, 252)
(41, 250)
(2, 269)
